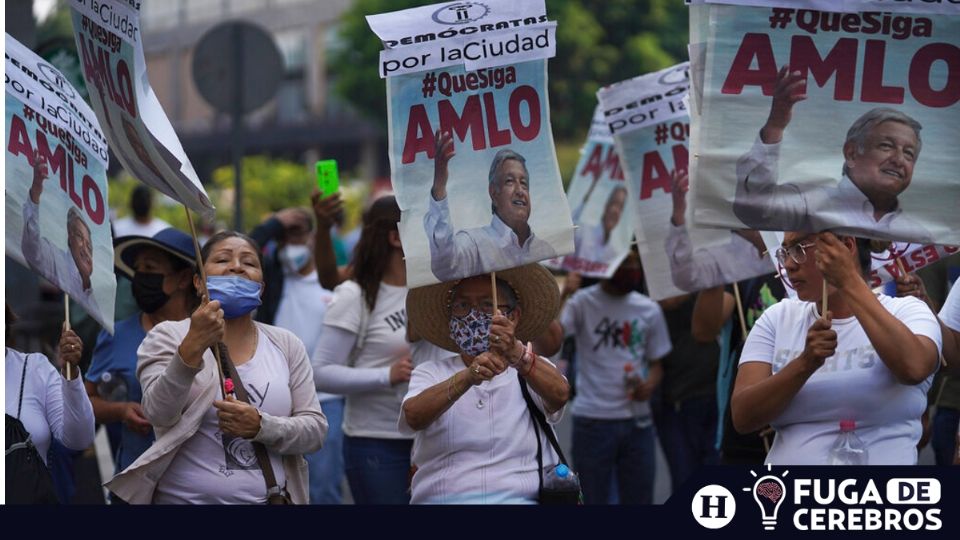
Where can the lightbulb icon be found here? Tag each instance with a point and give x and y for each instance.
(768, 491)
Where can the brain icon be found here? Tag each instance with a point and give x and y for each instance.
(770, 490)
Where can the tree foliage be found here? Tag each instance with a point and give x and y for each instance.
(268, 185)
(274, 184)
(598, 43)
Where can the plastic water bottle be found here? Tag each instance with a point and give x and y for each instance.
(849, 449)
(560, 477)
(112, 387)
(630, 378)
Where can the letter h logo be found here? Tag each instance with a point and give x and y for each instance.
(713, 506)
(713, 502)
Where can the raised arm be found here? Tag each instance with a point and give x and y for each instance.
(168, 364)
(450, 253)
(758, 195)
(690, 271)
(444, 151)
(325, 209)
(791, 89)
(35, 249)
(270, 229)
(578, 211)
(711, 311)
(910, 356)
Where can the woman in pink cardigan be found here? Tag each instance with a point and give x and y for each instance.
(207, 445)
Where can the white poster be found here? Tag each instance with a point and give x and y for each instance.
(111, 52)
(648, 118)
(945, 7)
(602, 211)
(55, 185)
(471, 151)
(820, 120)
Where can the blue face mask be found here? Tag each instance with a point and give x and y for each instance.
(237, 296)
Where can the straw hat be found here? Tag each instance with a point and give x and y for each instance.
(428, 308)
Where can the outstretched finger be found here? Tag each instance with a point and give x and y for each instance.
(787, 76)
(796, 90)
(783, 71)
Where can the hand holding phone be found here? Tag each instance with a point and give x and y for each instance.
(328, 179)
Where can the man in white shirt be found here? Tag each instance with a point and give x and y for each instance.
(141, 222)
(744, 256)
(621, 336)
(880, 152)
(506, 243)
(71, 270)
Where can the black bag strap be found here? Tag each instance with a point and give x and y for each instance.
(536, 430)
(23, 378)
(540, 421)
(263, 459)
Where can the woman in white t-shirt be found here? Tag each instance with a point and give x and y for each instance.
(363, 354)
(871, 359)
(212, 449)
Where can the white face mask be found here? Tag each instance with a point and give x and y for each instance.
(294, 257)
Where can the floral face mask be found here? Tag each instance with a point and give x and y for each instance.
(471, 332)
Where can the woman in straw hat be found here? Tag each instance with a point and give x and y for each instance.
(474, 436)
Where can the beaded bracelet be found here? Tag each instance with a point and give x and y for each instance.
(532, 365)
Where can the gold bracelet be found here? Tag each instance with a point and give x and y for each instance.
(450, 383)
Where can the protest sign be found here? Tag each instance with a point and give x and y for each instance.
(57, 219)
(111, 51)
(945, 7)
(886, 265)
(471, 152)
(474, 35)
(602, 212)
(648, 118)
(857, 136)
